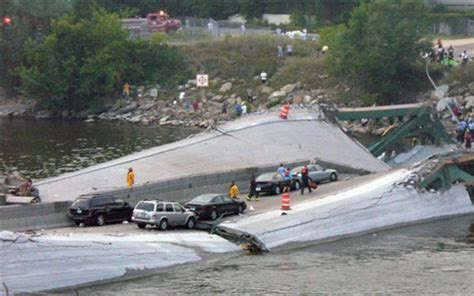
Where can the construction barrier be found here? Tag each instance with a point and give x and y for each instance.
(285, 201)
(285, 109)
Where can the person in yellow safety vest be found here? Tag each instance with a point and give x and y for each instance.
(126, 90)
(130, 177)
(233, 190)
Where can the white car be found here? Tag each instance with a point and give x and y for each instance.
(162, 214)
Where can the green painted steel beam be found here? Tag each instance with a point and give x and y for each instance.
(381, 146)
(379, 112)
(448, 175)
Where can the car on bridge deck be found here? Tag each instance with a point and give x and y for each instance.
(163, 214)
(213, 205)
(99, 209)
(274, 183)
(317, 173)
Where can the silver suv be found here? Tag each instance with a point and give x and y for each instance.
(162, 214)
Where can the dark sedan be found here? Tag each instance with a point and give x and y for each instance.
(273, 183)
(213, 205)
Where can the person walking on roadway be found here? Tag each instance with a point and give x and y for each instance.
(233, 190)
(305, 179)
(281, 170)
(287, 179)
(253, 189)
(130, 178)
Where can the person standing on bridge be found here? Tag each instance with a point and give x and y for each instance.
(305, 179)
(130, 178)
(287, 180)
(281, 170)
(233, 190)
(253, 189)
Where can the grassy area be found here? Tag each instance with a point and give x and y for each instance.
(241, 57)
(463, 74)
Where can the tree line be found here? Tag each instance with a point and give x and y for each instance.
(73, 55)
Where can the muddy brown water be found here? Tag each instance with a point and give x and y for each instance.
(430, 258)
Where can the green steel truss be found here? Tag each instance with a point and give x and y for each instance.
(420, 120)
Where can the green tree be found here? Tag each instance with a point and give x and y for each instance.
(30, 20)
(380, 48)
(83, 62)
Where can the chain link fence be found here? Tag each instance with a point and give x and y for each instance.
(197, 28)
(454, 27)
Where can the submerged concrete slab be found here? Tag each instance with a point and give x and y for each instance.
(374, 204)
(31, 264)
(253, 141)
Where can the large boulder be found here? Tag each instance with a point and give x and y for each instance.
(289, 88)
(469, 102)
(297, 99)
(44, 114)
(153, 92)
(218, 98)
(471, 87)
(277, 94)
(458, 90)
(131, 107)
(444, 88)
(266, 89)
(307, 99)
(225, 87)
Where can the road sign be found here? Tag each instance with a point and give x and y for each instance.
(202, 80)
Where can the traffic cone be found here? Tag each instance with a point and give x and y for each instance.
(285, 201)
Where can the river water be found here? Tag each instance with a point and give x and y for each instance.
(430, 258)
(46, 148)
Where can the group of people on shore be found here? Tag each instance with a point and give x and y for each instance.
(447, 57)
(465, 132)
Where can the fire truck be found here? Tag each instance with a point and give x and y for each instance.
(154, 22)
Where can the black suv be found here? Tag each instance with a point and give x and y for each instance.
(99, 209)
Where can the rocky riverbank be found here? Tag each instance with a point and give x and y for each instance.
(198, 108)
(164, 107)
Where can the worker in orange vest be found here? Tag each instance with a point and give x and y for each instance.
(125, 90)
(233, 190)
(130, 177)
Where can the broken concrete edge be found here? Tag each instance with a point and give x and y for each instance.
(249, 242)
(55, 214)
(304, 244)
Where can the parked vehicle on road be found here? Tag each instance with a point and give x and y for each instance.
(162, 214)
(154, 22)
(213, 205)
(274, 183)
(316, 173)
(99, 209)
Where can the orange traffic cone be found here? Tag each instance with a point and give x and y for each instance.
(285, 201)
(285, 109)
